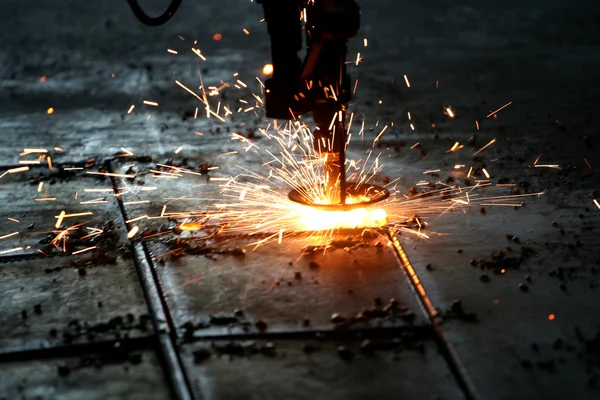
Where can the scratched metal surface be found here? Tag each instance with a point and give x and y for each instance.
(290, 289)
(96, 376)
(514, 321)
(300, 369)
(70, 303)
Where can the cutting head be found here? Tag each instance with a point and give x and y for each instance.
(357, 196)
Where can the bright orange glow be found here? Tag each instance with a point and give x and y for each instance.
(312, 219)
(551, 317)
(190, 226)
(50, 110)
(449, 112)
(133, 232)
(217, 37)
(267, 69)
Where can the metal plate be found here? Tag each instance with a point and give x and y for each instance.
(68, 301)
(514, 340)
(301, 369)
(289, 286)
(135, 376)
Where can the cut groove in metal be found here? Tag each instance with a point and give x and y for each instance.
(78, 349)
(460, 373)
(162, 321)
(371, 193)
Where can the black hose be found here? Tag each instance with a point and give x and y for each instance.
(153, 21)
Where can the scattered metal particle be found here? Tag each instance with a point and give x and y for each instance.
(239, 252)
(261, 325)
(345, 353)
(337, 318)
(201, 355)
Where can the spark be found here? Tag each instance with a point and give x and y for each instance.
(555, 166)
(501, 108)
(45, 199)
(486, 146)
(150, 103)
(84, 250)
(98, 190)
(17, 169)
(380, 134)
(255, 201)
(267, 69)
(487, 175)
(60, 219)
(246, 31)
(13, 220)
(129, 203)
(136, 219)
(94, 233)
(178, 150)
(199, 54)
(597, 204)
(9, 235)
(81, 214)
(133, 232)
(128, 152)
(35, 150)
(172, 51)
(111, 174)
(203, 101)
(190, 226)
(131, 109)
(50, 110)
(11, 250)
(551, 317)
